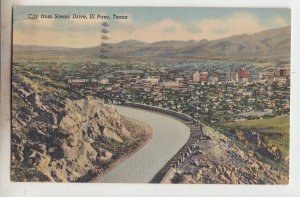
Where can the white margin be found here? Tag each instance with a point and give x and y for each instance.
(10, 189)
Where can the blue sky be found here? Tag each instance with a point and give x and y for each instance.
(145, 24)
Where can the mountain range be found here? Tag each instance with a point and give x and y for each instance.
(273, 44)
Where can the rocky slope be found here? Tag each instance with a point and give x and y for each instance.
(220, 161)
(57, 135)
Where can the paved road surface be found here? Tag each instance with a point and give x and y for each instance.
(169, 135)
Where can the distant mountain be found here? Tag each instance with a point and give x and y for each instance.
(273, 44)
(131, 43)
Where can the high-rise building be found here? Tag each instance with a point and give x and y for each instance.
(243, 75)
(283, 73)
(196, 76)
(204, 76)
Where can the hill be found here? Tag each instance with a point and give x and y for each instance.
(60, 135)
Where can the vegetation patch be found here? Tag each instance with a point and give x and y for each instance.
(274, 132)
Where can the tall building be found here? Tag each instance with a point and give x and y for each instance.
(283, 73)
(204, 76)
(196, 76)
(243, 76)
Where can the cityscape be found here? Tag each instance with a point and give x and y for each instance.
(145, 96)
(203, 90)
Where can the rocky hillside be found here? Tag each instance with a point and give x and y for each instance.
(221, 161)
(58, 135)
(270, 141)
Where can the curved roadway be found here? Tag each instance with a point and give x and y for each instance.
(169, 135)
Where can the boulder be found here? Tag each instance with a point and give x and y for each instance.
(31, 98)
(255, 166)
(43, 163)
(37, 135)
(34, 99)
(199, 174)
(112, 135)
(56, 152)
(227, 173)
(23, 117)
(234, 178)
(266, 167)
(224, 179)
(46, 116)
(242, 154)
(251, 153)
(104, 155)
(26, 109)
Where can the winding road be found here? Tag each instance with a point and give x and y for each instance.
(169, 135)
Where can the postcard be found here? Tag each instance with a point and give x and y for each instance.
(150, 95)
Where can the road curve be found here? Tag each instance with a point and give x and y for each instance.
(169, 135)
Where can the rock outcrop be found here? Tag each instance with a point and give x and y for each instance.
(221, 161)
(62, 136)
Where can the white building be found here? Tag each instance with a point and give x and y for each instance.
(152, 79)
(103, 81)
(196, 76)
(77, 80)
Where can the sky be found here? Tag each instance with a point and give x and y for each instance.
(143, 24)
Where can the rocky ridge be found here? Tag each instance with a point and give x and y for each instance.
(58, 135)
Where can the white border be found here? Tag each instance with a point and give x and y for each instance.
(8, 188)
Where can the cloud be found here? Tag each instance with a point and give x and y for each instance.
(55, 38)
(39, 23)
(238, 23)
(166, 29)
(169, 29)
(85, 32)
(278, 22)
